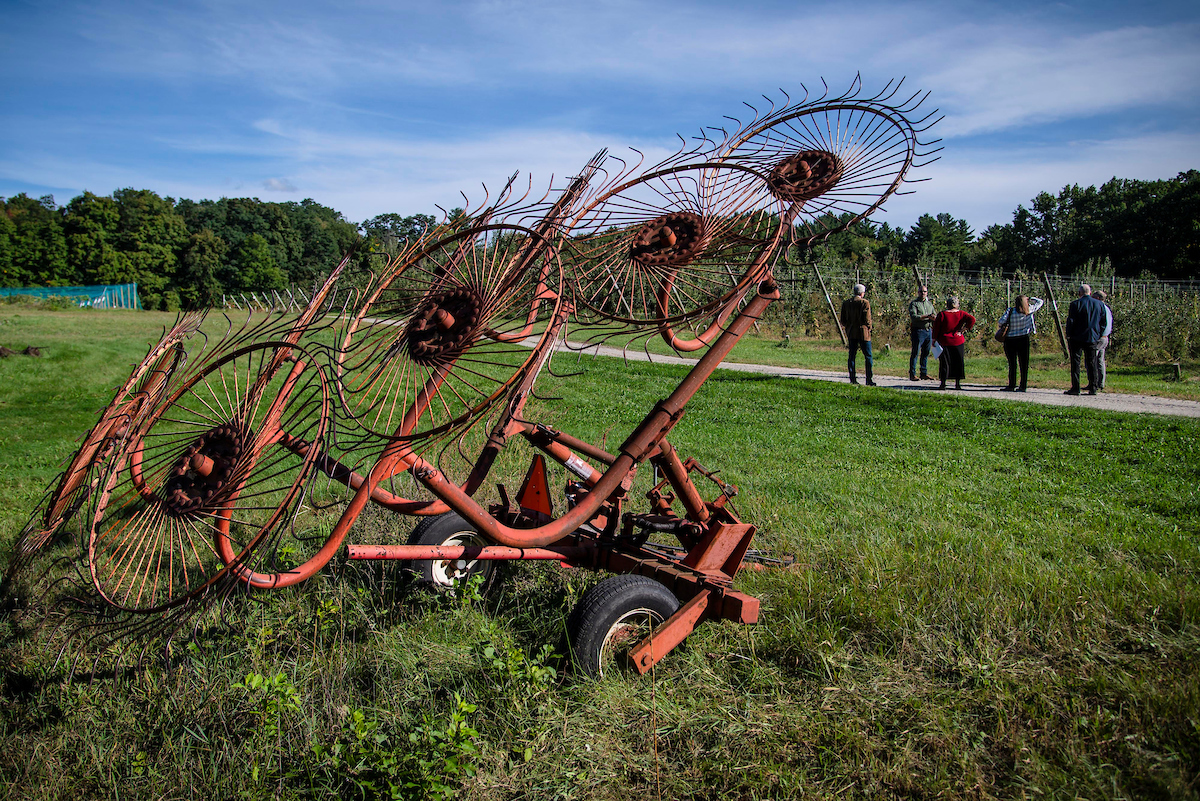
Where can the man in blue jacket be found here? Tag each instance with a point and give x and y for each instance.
(1085, 326)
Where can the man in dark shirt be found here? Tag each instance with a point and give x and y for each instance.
(856, 319)
(1085, 325)
(920, 317)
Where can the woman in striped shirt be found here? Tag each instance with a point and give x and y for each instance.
(1016, 344)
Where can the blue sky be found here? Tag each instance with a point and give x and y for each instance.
(373, 107)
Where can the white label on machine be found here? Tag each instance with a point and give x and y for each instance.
(578, 466)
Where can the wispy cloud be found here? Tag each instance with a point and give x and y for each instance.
(279, 185)
(999, 78)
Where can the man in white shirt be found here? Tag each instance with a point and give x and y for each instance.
(1102, 345)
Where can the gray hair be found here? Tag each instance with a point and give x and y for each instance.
(859, 290)
(1084, 289)
(951, 302)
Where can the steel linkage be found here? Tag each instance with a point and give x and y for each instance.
(194, 482)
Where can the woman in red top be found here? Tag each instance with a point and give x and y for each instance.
(947, 331)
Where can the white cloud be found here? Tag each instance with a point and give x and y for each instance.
(992, 78)
(279, 185)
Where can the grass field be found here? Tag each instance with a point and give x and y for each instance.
(990, 600)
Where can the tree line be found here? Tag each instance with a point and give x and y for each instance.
(187, 254)
(181, 254)
(1126, 228)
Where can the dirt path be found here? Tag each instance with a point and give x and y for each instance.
(1142, 404)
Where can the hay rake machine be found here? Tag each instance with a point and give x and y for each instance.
(197, 480)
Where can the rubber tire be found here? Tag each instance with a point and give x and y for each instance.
(603, 608)
(450, 528)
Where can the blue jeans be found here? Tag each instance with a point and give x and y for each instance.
(922, 341)
(855, 345)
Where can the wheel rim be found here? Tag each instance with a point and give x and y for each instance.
(672, 245)
(626, 632)
(207, 479)
(444, 572)
(833, 163)
(439, 341)
(139, 394)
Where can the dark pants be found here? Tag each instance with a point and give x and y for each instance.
(1087, 352)
(922, 341)
(952, 364)
(855, 345)
(1017, 350)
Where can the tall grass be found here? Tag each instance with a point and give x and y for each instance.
(989, 601)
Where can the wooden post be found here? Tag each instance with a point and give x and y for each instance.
(837, 321)
(1062, 337)
(1008, 291)
(917, 277)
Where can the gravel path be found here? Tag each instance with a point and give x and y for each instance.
(1142, 404)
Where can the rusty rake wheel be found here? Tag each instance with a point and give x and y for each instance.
(210, 475)
(829, 163)
(144, 388)
(448, 332)
(676, 244)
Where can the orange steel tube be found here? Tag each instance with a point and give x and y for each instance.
(532, 432)
(677, 474)
(653, 428)
(416, 553)
(567, 458)
(392, 455)
(343, 474)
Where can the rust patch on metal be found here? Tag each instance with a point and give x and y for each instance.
(670, 240)
(443, 326)
(205, 469)
(805, 175)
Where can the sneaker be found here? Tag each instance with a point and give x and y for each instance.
(912, 376)
(1008, 389)
(1071, 392)
(1020, 389)
(926, 378)
(872, 384)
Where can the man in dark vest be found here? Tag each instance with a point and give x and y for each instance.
(1085, 326)
(856, 319)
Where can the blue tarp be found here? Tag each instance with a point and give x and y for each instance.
(104, 296)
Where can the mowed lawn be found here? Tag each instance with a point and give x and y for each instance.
(989, 600)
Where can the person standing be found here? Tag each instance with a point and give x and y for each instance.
(920, 319)
(1101, 365)
(856, 320)
(1085, 326)
(948, 329)
(1016, 343)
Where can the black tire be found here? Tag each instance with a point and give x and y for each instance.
(613, 617)
(450, 529)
